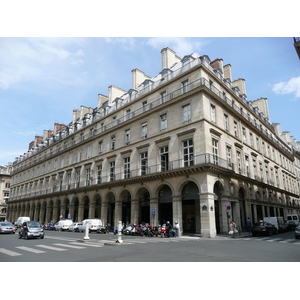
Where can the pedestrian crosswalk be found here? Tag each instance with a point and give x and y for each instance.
(66, 244)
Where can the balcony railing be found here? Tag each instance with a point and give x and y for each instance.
(203, 159)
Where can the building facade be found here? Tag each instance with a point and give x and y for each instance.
(185, 145)
(4, 189)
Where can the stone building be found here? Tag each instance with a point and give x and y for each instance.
(4, 189)
(183, 145)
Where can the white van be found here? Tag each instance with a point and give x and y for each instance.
(292, 221)
(278, 222)
(94, 225)
(21, 220)
(63, 225)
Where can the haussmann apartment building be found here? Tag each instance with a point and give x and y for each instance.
(184, 145)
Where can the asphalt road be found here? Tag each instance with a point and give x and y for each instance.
(69, 247)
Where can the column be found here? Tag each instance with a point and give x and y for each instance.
(207, 213)
(71, 211)
(154, 205)
(135, 211)
(118, 212)
(92, 210)
(177, 212)
(104, 206)
(80, 212)
(226, 213)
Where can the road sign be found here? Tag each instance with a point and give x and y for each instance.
(153, 211)
(228, 207)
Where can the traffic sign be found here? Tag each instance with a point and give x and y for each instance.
(153, 211)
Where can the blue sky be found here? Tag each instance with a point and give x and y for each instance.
(43, 79)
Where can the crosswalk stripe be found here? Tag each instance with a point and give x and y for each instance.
(88, 244)
(286, 241)
(9, 252)
(30, 249)
(51, 248)
(69, 246)
(273, 240)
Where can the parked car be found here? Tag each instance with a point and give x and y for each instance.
(263, 228)
(297, 231)
(73, 227)
(63, 225)
(31, 229)
(278, 222)
(21, 220)
(94, 225)
(7, 227)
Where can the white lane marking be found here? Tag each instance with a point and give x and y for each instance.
(69, 246)
(30, 249)
(286, 241)
(52, 248)
(9, 252)
(87, 244)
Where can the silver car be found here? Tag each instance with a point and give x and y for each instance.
(7, 227)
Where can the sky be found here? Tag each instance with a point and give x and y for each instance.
(48, 69)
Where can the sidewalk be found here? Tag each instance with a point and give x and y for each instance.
(242, 234)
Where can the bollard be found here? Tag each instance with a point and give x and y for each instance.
(119, 240)
(86, 231)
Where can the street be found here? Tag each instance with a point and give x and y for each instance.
(69, 247)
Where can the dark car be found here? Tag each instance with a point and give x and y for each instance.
(31, 229)
(263, 228)
(7, 227)
(297, 231)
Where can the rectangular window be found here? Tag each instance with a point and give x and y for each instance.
(186, 109)
(100, 147)
(185, 85)
(68, 181)
(113, 142)
(127, 167)
(144, 106)
(163, 97)
(112, 171)
(251, 139)
(188, 153)
(77, 179)
(144, 163)
(239, 163)
(88, 177)
(127, 114)
(144, 130)
(127, 136)
(213, 113)
(164, 158)
(226, 122)
(79, 152)
(163, 123)
(244, 135)
(235, 128)
(99, 174)
(228, 155)
(89, 151)
(247, 165)
(215, 151)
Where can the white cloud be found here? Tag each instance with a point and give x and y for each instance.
(127, 42)
(182, 46)
(38, 59)
(288, 87)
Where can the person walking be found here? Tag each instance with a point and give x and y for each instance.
(249, 225)
(176, 229)
(169, 229)
(233, 229)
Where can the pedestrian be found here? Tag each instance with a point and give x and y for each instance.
(233, 229)
(249, 225)
(169, 229)
(176, 229)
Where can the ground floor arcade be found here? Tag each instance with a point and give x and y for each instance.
(202, 203)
